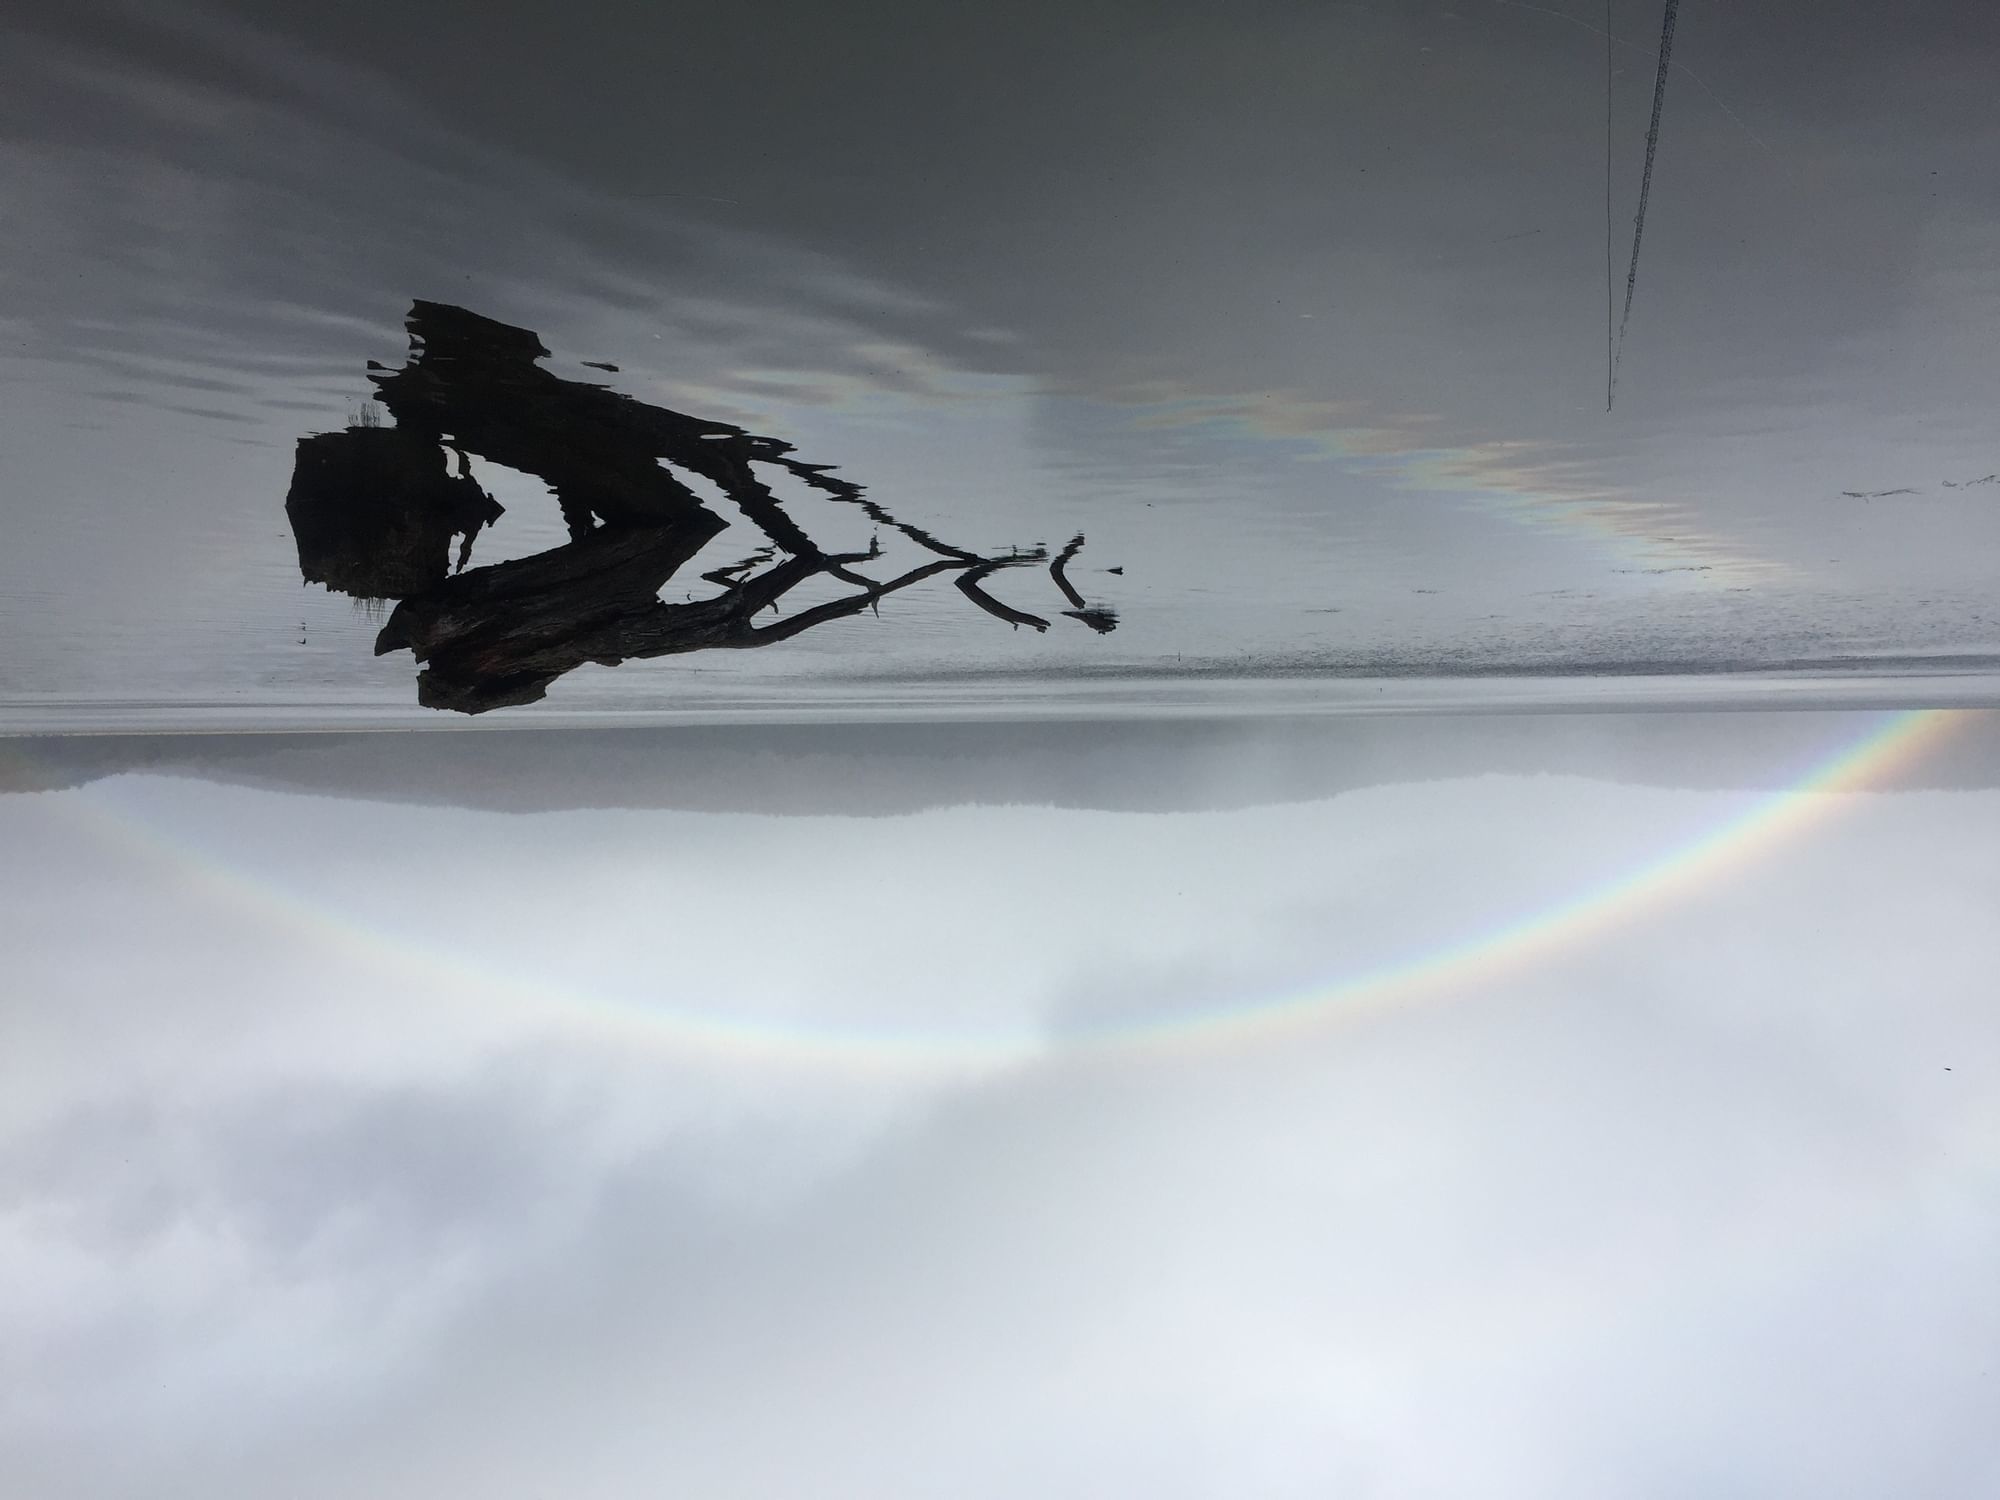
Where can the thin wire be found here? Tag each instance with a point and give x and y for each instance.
(1609, 348)
(1646, 179)
(1681, 68)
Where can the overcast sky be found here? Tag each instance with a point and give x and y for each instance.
(350, 1147)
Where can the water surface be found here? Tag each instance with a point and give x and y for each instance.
(1298, 313)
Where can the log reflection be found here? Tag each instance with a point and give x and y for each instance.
(376, 511)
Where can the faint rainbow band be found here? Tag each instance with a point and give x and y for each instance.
(1897, 742)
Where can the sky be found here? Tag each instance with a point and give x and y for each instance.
(359, 1144)
(1297, 310)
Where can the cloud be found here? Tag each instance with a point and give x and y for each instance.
(375, 1175)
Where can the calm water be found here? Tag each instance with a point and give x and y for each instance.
(1298, 314)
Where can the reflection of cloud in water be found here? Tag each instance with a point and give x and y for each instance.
(1529, 483)
(226, 224)
(893, 385)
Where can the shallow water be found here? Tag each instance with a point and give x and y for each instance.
(1297, 314)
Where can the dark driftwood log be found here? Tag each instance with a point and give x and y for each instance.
(497, 637)
(1097, 617)
(968, 585)
(374, 510)
(474, 384)
(500, 635)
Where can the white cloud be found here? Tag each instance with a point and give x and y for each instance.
(1696, 1208)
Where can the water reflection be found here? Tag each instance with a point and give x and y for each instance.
(1299, 313)
(375, 510)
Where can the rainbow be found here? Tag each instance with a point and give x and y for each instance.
(1768, 824)
(1535, 485)
(1530, 937)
